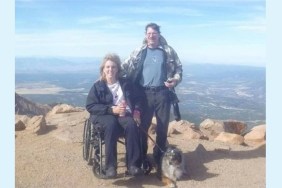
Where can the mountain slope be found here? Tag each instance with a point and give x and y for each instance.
(26, 107)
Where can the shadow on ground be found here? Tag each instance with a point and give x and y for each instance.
(196, 159)
(196, 169)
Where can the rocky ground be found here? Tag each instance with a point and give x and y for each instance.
(54, 159)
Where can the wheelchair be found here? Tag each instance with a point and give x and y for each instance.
(93, 149)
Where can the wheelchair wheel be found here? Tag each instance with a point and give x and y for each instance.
(90, 156)
(86, 139)
(97, 171)
(97, 168)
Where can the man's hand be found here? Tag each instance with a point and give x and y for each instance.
(170, 83)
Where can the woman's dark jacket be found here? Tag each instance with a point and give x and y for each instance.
(100, 99)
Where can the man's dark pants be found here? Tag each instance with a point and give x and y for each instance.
(156, 102)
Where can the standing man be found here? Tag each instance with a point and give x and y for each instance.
(155, 67)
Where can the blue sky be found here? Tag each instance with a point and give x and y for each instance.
(201, 31)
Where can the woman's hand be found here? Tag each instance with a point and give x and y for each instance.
(120, 109)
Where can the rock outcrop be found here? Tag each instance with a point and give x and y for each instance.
(228, 131)
(19, 125)
(64, 108)
(213, 128)
(68, 121)
(35, 124)
(188, 129)
(26, 107)
(230, 138)
(256, 136)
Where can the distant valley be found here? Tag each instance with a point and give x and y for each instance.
(206, 91)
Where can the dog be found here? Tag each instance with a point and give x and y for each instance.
(172, 166)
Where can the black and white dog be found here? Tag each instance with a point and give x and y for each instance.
(172, 166)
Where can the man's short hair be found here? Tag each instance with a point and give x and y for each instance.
(154, 26)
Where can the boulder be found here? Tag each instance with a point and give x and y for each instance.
(230, 138)
(180, 126)
(64, 108)
(23, 118)
(187, 129)
(19, 125)
(213, 128)
(37, 124)
(256, 136)
(192, 133)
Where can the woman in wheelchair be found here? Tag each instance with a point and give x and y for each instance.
(113, 103)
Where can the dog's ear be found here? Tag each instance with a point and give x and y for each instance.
(170, 148)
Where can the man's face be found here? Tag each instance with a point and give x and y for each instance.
(152, 37)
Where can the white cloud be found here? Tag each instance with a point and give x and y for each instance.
(93, 20)
(24, 0)
(86, 43)
(76, 43)
(225, 54)
(124, 32)
(255, 28)
(171, 10)
(257, 24)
